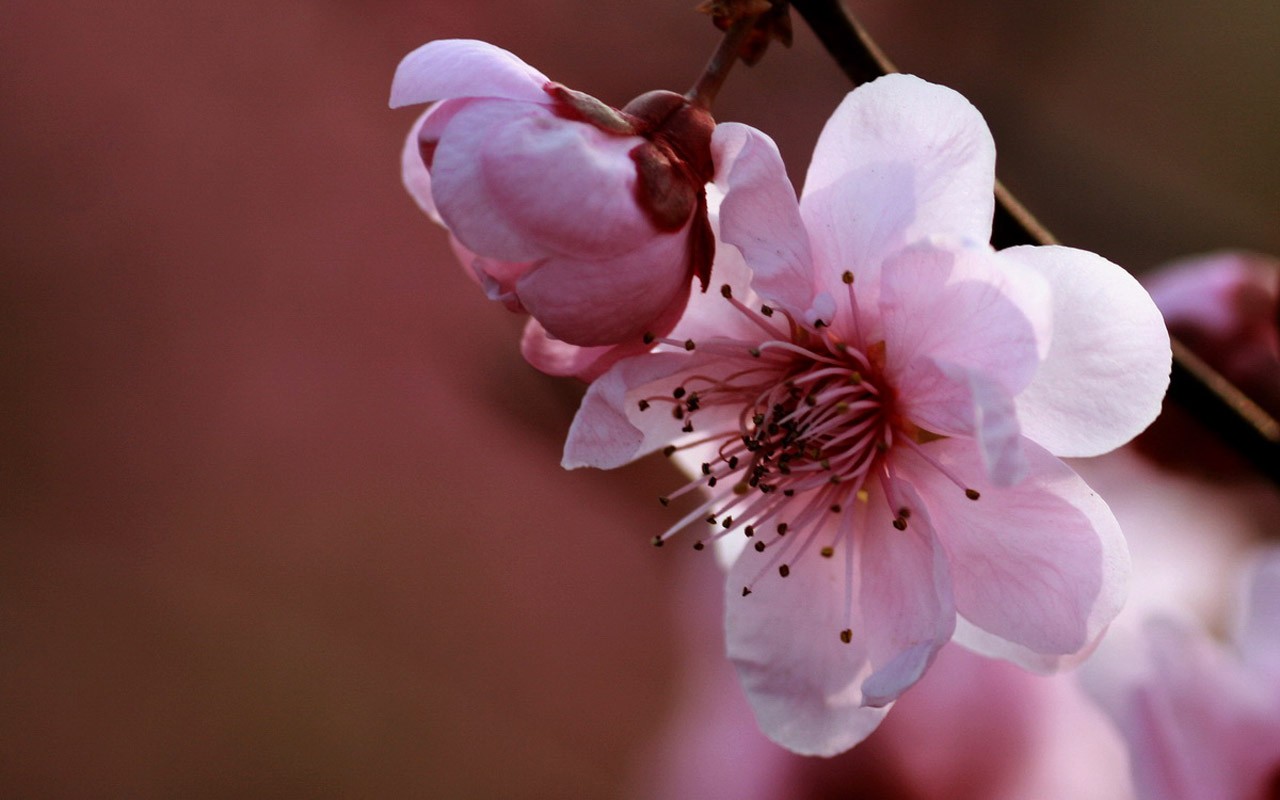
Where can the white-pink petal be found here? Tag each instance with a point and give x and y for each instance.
(1108, 364)
(901, 159)
(1041, 565)
(760, 216)
(905, 597)
(802, 682)
(448, 68)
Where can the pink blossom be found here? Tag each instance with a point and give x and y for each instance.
(591, 219)
(1202, 722)
(876, 401)
(1225, 307)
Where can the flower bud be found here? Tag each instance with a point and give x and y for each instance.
(590, 218)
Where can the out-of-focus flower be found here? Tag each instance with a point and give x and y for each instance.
(885, 429)
(591, 219)
(1225, 307)
(1202, 722)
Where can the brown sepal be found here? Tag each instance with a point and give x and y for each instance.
(575, 105)
(662, 189)
(702, 243)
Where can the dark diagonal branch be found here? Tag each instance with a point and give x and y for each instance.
(1195, 386)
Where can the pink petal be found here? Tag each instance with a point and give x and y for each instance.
(592, 303)
(449, 68)
(958, 374)
(1108, 363)
(761, 217)
(901, 159)
(610, 429)
(1040, 567)
(417, 181)
(803, 683)
(1260, 635)
(565, 185)
(907, 610)
(461, 189)
(554, 357)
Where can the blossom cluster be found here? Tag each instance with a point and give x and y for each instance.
(871, 403)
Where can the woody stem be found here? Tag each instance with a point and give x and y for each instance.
(703, 93)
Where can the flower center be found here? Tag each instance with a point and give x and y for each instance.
(797, 422)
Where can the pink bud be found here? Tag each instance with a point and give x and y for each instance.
(590, 218)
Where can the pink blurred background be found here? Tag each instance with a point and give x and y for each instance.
(282, 513)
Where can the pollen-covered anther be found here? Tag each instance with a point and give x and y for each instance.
(827, 552)
(847, 277)
(846, 635)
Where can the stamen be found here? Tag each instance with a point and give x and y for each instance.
(970, 493)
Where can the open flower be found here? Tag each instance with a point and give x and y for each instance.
(1201, 722)
(875, 401)
(591, 219)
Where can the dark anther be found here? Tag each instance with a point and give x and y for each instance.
(733, 462)
(657, 541)
(846, 635)
(678, 392)
(668, 450)
(726, 292)
(766, 310)
(759, 547)
(972, 494)
(782, 529)
(788, 492)
(784, 570)
(745, 591)
(728, 523)
(712, 480)
(900, 523)
(666, 501)
(644, 405)
(835, 508)
(688, 344)
(648, 338)
(827, 552)
(687, 427)
(706, 468)
(698, 545)
(847, 277)
(750, 531)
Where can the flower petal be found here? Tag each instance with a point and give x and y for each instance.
(1040, 567)
(958, 374)
(761, 217)
(802, 681)
(462, 193)
(1108, 364)
(565, 185)
(1260, 635)
(417, 181)
(611, 301)
(449, 68)
(901, 159)
(905, 597)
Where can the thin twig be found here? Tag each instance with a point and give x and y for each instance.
(1218, 404)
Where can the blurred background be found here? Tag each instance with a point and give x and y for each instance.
(282, 513)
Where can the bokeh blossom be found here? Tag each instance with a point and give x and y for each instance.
(1202, 721)
(875, 401)
(1225, 307)
(590, 218)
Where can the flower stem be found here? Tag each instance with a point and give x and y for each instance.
(1229, 413)
(703, 93)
